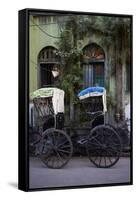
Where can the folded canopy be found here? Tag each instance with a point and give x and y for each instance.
(92, 92)
(42, 92)
(56, 94)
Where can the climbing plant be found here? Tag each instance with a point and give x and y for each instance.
(71, 73)
(77, 28)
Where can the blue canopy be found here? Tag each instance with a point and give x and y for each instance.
(95, 90)
(92, 92)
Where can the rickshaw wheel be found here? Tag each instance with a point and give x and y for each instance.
(57, 148)
(103, 146)
(34, 139)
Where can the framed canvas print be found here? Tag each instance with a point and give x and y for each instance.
(75, 99)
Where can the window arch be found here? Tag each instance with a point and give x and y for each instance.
(48, 54)
(93, 52)
(93, 65)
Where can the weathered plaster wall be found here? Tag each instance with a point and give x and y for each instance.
(39, 40)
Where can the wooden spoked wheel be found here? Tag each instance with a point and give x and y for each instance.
(103, 146)
(57, 148)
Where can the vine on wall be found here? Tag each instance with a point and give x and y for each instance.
(76, 28)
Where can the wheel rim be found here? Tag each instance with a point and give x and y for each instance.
(34, 139)
(56, 149)
(103, 146)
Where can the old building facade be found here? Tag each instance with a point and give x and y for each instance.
(104, 63)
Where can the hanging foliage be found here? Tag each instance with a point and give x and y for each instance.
(79, 27)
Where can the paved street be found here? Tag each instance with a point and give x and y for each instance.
(79, 171)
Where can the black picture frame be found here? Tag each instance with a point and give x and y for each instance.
(23, 79)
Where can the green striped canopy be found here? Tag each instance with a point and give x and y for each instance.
(42, 92)
(56, 94)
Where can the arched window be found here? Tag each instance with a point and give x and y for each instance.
(48, 54)
(93, 65)
(48, 64)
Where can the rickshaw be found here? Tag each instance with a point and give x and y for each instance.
(55, 146)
